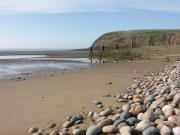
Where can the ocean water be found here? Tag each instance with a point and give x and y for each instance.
(18, 65)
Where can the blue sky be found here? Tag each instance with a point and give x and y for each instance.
(77, 23)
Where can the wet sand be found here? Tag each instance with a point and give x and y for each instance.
(40, 100)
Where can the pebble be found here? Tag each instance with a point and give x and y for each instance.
(178, 120)
(168, 110)
(117, 122)
(96, 102)
(125, 129)
(79, 132)
(140, 116)
(125, 115)
(105, 122)
(94, 130)
(148, 115)
(176, 131)
(162, 117)
(150, 131)
(55, 132)
(67, 124)
(165, 130)
(126, 107)
(109, 129)
(152, 107)
(143, 125)
(106, 112)
(33, 130)
(122, 125)
(51, 125)
(130, 121)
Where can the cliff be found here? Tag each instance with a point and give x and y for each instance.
(138, 38)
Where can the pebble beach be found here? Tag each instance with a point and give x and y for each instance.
(149, 107)
(38, 101)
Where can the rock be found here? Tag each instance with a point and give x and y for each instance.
(105, 122)
(165, 130)
(173, 119)
(114, 118)
(79, 132)
(130, 121)
(168, 123)
(51, 125)
(79, 116)
(118, 96)
(150, 131)
(125, 129)
(140, 116)
(106, 112)
(168, 110)
(79, 122)
(177, 111)
(162, 117)
(38, 133)
(100, 119)
(135, 113)
(100, 106)
(126, 107)
(33, 130)
(158, 111)
(109, 83)
(143, 125)
(90, 114)
(176, 84)
(96, 102)
(55, 132)
(178, 120)
(167, 88)
(94, 130)
(109, 129)
(150, 98)
(117, 122)
(148, 115)
(125, 115)
(176, 131)
(157, 121)
(122, 125)
(74, 119)
(63, 133)
(176, 100)
(67, 124)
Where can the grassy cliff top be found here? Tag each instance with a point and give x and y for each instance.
(139, 38)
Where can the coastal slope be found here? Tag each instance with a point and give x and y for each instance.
(138, 38)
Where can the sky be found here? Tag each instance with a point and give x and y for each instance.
(78, 23)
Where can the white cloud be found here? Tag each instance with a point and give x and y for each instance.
(68, 6)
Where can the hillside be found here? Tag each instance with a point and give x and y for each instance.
(138, 38)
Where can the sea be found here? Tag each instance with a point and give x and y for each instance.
(13, 65)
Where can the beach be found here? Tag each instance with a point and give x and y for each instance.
(39, 100)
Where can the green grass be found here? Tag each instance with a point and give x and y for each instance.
(137, 53)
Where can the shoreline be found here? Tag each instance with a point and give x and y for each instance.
(39, 101)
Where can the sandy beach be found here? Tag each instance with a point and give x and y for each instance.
(38, 101)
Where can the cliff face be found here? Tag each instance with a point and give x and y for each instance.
(138, 38)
